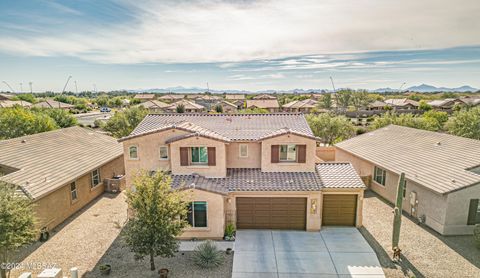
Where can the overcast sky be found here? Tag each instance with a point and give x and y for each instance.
(251, 45)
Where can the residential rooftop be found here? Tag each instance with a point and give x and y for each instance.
(44, 162)
(438, 161)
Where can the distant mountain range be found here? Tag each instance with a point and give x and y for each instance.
(423, 88)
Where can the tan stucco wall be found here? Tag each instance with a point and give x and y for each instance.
(266, 164)
(217, 171)
(57, 206)
(313, 220)
(457, 214)
(354, 191)
(252, 161)
(430, 204)
(215, 216)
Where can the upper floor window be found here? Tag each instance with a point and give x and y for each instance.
(199, 155)
(133, 152)
(243, 149)
(163, 153)
(73, 191)
(197, 214)
(288, 153)
(474, 212)
(95, 178)
(380, 175)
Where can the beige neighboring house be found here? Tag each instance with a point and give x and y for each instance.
(471, 100)
(446, 104)
(237, 99)
(227, 106)
(302, 106)
(402, 103)
(442, 172)
(377, 105)
(264, 96)
(144, 97)
(190, 106)
(12, 103)
(6, 96)
(61, 171)
(255, 171)
(50, 103)
(171, 97)
(270, 104)
(154, 106)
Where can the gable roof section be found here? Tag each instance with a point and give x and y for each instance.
(153, 104)
(264, 96)
(236, 127)
(234, 96)
(339, 175)
(144, 96)
(262, 103)
(49, 160)
(306, 103)
(187, 103)
(438, 161)
(401, 102)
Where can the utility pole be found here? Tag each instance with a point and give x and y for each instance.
(208, 88)
(31, 87)
(400, 89)
(76, 89)
(66, 83)
(335, 94)
(10, 87)
(95, 88)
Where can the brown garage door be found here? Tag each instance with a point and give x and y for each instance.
(339, 210)
(271, 213)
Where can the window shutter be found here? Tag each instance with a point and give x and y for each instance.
(472, 212)
(302, 153)
(212, 158)
(275, 153)
(183, 156)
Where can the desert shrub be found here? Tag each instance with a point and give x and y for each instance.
(230, 230)
(206, 255)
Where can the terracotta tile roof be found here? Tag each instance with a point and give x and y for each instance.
(401, 102)
(264, 96)
(306, 103)
(150, 104)
(283, 131)
(46, 161)
(172, 97)
(339, 175)
(144, 96)
(6, 96)
(227, 103)
(378, 103)
(262, 103)
(437, 161)
(50, 103)
(187, 103)
(236, 127)
(11, 103)
(234, 97)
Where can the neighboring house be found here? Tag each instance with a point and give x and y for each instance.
(50, 103)
(190, 106)
(6, 97)
(445, 104)
(255, 171)
(233, 97)
(303, 106)
(144, 97)
(207, 101)
(155, 106)
(264, 96)
(442, 173)
(227, 106)
(60, 171)
(193, 96)
(471, 101)
(12, 103)
(402, 103)
(171, 97)
(377, 105)
(269, 104)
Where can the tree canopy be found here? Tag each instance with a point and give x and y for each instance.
(122, 123)
(17, 121)
(430, 120)
(465, 123)
(159, 216)
(330, 128)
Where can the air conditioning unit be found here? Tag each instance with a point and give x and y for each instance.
(51, 273)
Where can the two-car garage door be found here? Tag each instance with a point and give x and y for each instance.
(271, 213)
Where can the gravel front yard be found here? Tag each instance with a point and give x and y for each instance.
(425, 252)
(82, 240)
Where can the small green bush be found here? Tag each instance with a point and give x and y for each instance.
(206, 255)
(476, 235)
(230, 230)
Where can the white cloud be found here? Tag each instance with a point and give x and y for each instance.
(217, 31)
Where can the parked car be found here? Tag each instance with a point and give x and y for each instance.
(105, 109)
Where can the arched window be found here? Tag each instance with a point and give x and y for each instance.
(133, 152)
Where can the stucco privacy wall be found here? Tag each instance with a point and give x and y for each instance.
(458, 203)
(252, 161)
(57, 206)
(339, 191)
(266, 164)
(215, 215)
(430, 204)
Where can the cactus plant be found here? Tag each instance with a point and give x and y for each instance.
(397, 211)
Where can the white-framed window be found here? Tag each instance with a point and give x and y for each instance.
(199, 155)
(95, 178)
(197, 214)
(243, 150)
(163, 152)
(380, 175)
(133, 152)
(73, 191)
(288, 153)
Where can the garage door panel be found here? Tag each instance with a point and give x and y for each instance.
(339, 210)
(271, 213)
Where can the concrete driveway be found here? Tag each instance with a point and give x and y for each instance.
(333, 252)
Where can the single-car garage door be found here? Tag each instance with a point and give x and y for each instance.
(339, 210)
(271, 213)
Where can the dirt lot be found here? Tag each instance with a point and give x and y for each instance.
(425, 252)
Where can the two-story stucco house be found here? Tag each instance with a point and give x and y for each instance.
(256, 171)
(442, 173)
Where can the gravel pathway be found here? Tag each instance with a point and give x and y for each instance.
(82, 240)
(425, 252)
